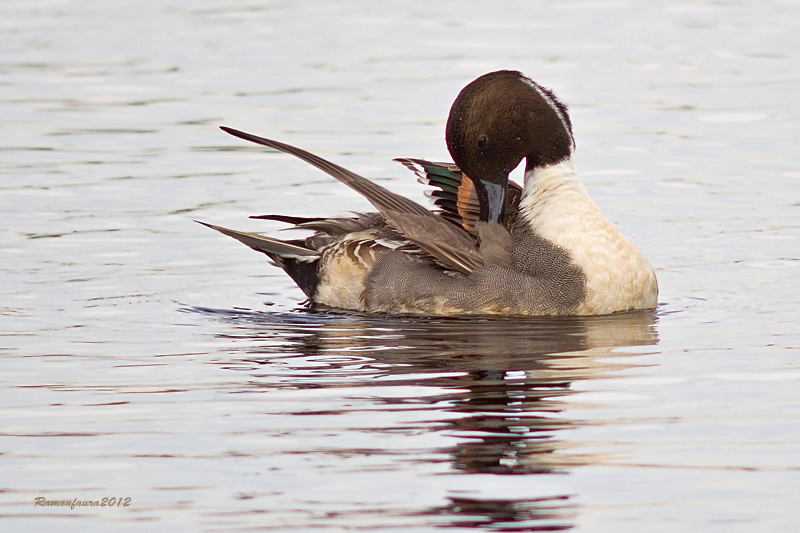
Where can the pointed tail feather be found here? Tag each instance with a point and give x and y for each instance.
(288, 219)
(267, 245)
(299, 262)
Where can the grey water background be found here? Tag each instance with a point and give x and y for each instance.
(146, 357)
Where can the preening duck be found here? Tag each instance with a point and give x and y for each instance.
(491, 246)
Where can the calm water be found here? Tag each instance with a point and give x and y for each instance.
(146, 357)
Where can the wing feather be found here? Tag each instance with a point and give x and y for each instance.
(454, 193)
(450, 245)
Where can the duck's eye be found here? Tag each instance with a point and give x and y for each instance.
(481, 141)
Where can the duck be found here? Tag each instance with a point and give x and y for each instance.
(490, 246)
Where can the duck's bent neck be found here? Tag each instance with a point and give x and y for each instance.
(546, 186)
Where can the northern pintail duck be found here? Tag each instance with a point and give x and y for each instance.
(491, 246)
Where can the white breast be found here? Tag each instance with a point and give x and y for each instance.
(618, 276)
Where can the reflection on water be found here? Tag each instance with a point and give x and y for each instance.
(539, 514)
(500, 386)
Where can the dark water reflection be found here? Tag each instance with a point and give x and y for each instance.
(540, 514)
(501, 385)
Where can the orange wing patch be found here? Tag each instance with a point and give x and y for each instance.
(467, 203)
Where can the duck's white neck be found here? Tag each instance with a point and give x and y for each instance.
(540, 182)
(552, 194)
(556, 207)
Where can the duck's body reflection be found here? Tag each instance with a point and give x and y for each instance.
(505, 378)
